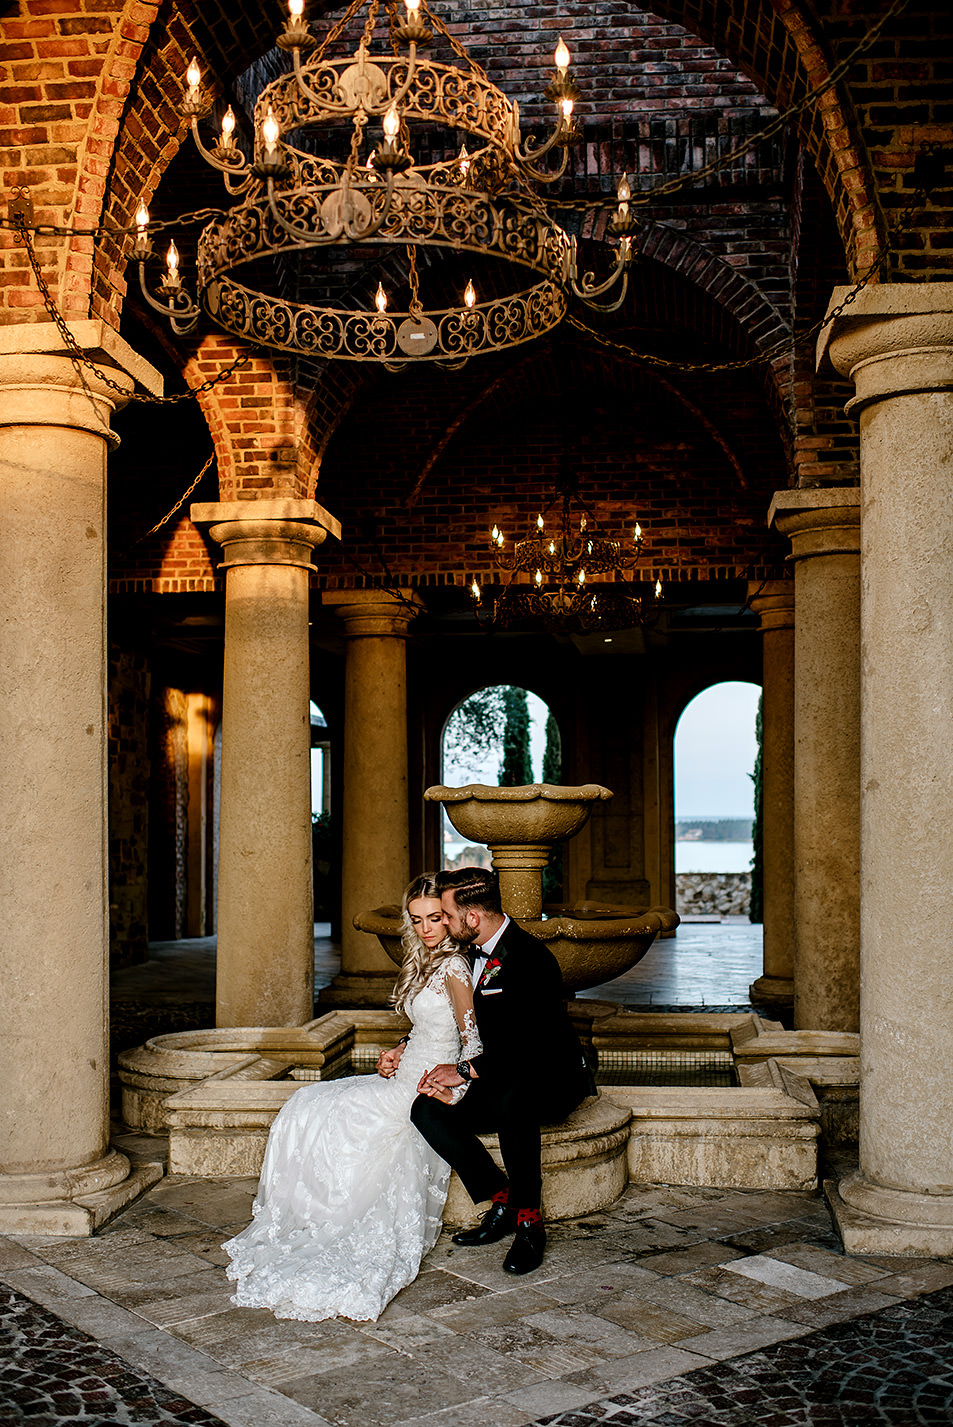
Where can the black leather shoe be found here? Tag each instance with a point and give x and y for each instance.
(497, 1222)
(526, 1250)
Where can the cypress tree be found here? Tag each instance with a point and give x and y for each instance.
(516, 768)
(553, 773)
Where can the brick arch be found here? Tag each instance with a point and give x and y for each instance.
(778, 45)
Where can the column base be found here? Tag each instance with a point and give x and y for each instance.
(73, 1203)
(772, 990)
(354, 992)
(926, 1228)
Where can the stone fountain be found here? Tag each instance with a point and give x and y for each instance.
(592, 942)
(216, 1092)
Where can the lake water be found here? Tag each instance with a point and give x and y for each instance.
(713, 856)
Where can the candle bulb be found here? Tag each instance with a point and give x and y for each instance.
(581, 577)
(193, 77)
(413, 8)
(469, 295)
(638, 533)
(658, 589)
(566, 105)
(539, 522)
(142, 217)
(380, 299)
(391, 123)
(538, 578)
(562, 57)
(296, 9)
(228, 127)
(172, 261)
(464, 161)
(623, 194)
(475, 591)
(270, 130)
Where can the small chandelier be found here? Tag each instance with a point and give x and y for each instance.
(357, 179)
(550, 574)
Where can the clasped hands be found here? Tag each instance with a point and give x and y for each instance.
(437, 1083)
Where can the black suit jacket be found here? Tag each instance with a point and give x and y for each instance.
(523, 1022)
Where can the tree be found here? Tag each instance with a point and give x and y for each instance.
(553, 773)
(516, 767)
(553, 753)
(474, 734)
(756, 909)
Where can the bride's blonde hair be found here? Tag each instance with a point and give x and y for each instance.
(419, 960)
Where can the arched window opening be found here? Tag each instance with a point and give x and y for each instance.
(320, 764)
(715, 753)
(502, 736)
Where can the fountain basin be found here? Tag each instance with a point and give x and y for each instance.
(592, 942)
(537, 813)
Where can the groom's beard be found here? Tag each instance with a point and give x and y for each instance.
(466, 936)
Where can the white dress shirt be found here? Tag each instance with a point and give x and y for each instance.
(484, 952)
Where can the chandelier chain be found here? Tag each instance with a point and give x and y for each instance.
(781, 349)
(337, 30)
(676, 185)
(415, 306)
(179, 503)
(80, 360)
(453, 42)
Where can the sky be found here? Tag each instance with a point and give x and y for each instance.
(714, 752)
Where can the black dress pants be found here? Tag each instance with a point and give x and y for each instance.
(515, 1116)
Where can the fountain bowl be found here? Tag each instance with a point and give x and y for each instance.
(537, 813)
(592, 942)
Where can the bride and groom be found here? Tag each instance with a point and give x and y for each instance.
(355, 1174)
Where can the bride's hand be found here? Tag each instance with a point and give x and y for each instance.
(439, 1080)
(388, 1061)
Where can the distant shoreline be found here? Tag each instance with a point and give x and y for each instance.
(713, 829)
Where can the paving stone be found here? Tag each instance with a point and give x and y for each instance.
(50, 1371)
(682, 1261)
(786, 1276)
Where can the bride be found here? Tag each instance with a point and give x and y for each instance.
(351, 1195)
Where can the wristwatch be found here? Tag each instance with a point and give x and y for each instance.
(464, 1070)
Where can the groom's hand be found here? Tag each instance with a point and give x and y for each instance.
(439, 1081)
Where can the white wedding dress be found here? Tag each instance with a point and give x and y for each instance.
(351, 1195)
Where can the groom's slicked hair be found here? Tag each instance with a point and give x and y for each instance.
(472, 887)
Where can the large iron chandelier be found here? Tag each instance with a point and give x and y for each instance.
(549, 574)
(372, 151)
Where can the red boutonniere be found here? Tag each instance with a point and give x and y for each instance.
(491, 970)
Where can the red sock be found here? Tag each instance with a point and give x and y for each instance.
(502, 1197)
(528, 1216)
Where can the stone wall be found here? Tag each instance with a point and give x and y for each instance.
(713, 893)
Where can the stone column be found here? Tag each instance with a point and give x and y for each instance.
(774, 604)
(265, 921)
(823, 526)
(57, 1172)
(376, 845)
(895, 342)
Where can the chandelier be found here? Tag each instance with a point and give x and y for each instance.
(549, 574)
(389, 162)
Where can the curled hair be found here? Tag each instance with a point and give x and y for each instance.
(472, 887)
(419, 960)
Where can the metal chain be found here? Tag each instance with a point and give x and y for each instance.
(79, 358)
(179, 503)
(676, 185)
(781, 349)
(454, 43)
(415, 308)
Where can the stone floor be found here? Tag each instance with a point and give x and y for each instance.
(675, 1306)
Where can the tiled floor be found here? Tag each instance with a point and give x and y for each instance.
(675, 1306)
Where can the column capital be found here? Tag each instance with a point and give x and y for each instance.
(266, 532)
(893, 339)
(825, 521)
(380, 614)
(773, 602)
(41, 386)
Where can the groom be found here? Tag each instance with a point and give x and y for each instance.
(531, 1071)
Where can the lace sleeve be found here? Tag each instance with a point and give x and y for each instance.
(460, 990)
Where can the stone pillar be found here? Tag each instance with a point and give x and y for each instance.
(824, 529)
(774, 604)
(57, 1172)
(895, 342)
(265, 920)
(376, 845)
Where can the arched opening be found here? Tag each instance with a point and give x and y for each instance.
(502, 736)
(715, 752)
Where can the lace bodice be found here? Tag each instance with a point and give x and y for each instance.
(444, 1026)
